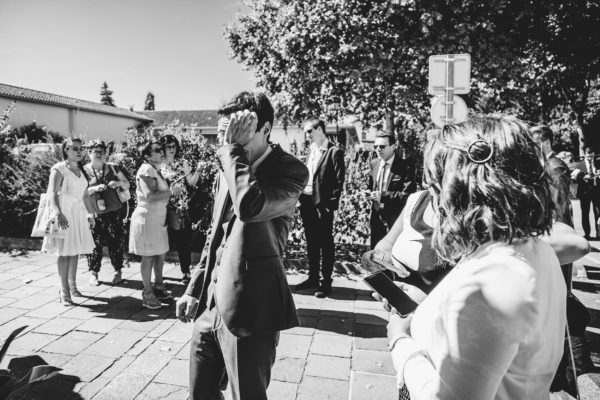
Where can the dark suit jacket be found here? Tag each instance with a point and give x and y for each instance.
(585, 188)
(250, 289)
(328, 180)
(401, 184)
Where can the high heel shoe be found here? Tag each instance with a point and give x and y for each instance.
(73, 289)
(65, 298)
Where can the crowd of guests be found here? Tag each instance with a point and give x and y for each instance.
(89, 201)
(480, 249)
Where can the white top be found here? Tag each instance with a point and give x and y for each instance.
(492, 329)
(146, 169)
(312, 162)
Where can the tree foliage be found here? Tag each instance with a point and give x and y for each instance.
(106, 95)
(149, 103)
(537, 60)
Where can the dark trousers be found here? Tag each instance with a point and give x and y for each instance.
(585, 201)
(216, 355)
(318, 229)
(182, 239)
(379, 228)
(108, 231)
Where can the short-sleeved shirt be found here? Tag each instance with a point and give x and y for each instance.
(148, 170)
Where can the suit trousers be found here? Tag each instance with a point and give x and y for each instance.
(318, 229)
(216, 355)
(379, 228)
(584, 202)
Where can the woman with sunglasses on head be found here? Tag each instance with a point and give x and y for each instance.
(493, 328)
(108, 228)
(66, 189)
(148, 229)
(178, 172)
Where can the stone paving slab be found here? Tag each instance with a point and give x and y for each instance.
(112, 348)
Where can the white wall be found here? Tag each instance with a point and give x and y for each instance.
(92, 125)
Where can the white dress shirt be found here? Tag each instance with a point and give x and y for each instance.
(312, 162)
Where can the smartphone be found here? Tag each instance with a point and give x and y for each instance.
(395, 296)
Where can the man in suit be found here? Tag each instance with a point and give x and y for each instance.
(391, 181)
(321, 197)
(240, 290)
(585, 173)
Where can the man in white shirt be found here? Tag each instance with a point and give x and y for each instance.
(318, 203)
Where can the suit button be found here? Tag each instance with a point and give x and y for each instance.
(214, 280)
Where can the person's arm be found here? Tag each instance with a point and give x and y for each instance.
(255, 201)
(483, 328)
(568, 245)
(408, 186)
(339, 167)
(54, 185)
(149, 187)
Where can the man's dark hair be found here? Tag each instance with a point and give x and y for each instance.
(545, 133)
(252, 101)
(317, 123)
(391, 138)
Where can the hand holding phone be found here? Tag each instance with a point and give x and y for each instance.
(395, 296)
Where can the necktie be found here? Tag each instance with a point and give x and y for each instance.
(382, 175)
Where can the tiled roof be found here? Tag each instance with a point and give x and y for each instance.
(36, 96)
(186, 117)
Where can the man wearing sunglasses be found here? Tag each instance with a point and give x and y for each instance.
(240, 290)
(319, 201)
(391, 180)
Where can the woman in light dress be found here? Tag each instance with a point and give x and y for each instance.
(148, 230)
(66, 189)
(493, 328)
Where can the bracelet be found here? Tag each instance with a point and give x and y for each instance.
(396, 339)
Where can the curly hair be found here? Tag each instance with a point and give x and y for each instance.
(488, 182)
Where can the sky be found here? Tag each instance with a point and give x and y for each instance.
(174, 48)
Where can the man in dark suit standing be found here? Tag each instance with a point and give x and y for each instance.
(391, 181)
(585, 173)
(240, 290)
(321, 197)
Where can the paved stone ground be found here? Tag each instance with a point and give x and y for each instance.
(109, 347)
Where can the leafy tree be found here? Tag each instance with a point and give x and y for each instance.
(106, 95)
(530, 58)
(149, 104)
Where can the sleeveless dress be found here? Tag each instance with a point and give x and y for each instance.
(148, 230)
(78, 236)
(412, 249)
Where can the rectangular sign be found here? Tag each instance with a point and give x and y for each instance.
(449, 72)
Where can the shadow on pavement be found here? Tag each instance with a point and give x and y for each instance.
(590, 287)
(361, 325)
(58, 387)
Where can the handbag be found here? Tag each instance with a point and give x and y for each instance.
(46, 224)
(124, 194)
(108, 198)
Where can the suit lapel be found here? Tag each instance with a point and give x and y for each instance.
(324, 155)
(220, 209)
